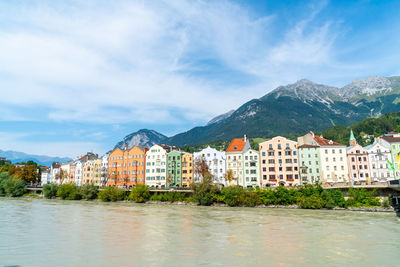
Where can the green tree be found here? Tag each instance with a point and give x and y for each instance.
(14, 187)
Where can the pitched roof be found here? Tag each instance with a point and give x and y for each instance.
(325, 142)
(237, 144)
(391, 139)
(307, 146)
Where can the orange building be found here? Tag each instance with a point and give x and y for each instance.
(187, 169)
(126, 167)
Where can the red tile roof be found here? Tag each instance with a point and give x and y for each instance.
(236, 144)
(325, 142)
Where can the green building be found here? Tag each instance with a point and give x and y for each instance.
(174, 168)
(309, 164)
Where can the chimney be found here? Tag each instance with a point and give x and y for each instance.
(245, 138)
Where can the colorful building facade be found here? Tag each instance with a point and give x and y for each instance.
(279, 162)
(216, 162)
(379, 156)
(156, 166)
(309, 164)
(126, 167)
(234, 159)
(174, 168)
(187, 169)
(333, 158)
(87, 172)
(251, 169)
(392, 141)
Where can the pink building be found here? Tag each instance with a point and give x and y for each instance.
(279, 162)
(358, 161)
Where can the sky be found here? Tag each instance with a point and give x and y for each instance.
(78, 76)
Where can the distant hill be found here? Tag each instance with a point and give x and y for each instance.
(15, 157)
(368, 127)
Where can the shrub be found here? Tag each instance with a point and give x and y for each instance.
(250, 199)
(338, 198)
(50, 190)
(266, 196)
(282, 196)
(140, 193)
(311, 202)
(89, 191)
(386, 203)
(232, 194)
(327, 200)
(203, 193)
(31, 195)
(361, 197)
(112, 194)
(155, 197)
(190, 200)
(69, 191)
(14, 187)
(3, 178)
(174, 196)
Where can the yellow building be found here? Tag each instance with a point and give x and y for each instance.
(187, 169)
(87, 172)
(97, 172)
(71, 176)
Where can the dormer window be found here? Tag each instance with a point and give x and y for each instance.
(235, 148)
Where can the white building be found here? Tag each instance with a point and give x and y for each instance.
(216, 162)
(379, 155)
(104, 170)
(234, 158)
(251, 163)
(78, 173)
(45, 178)
(333, 165)
(156, 166)
(54, 170)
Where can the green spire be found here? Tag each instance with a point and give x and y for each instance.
(352, 138)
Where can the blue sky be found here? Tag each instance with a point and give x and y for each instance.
(78, 76)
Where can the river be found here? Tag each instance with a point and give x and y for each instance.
(35, 232)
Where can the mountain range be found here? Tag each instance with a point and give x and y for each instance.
(291, 109)
(16, 157)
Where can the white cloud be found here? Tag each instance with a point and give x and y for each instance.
(78, 60)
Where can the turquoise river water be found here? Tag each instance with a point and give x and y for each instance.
(35, 232)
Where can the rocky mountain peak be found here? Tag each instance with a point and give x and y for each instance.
(143, 137)
(369, 86)
(220, 117)
(307, 90)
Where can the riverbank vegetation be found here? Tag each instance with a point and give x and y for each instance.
(11, 186)
(206, 194)
(306, 197)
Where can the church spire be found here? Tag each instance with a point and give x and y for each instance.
(353, 140)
